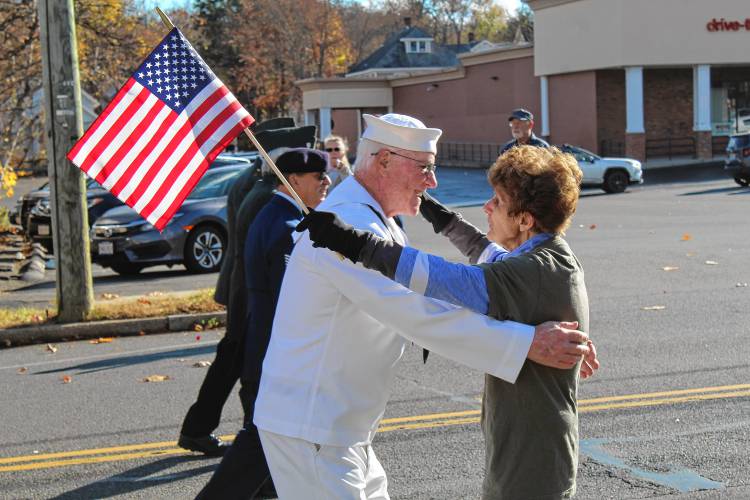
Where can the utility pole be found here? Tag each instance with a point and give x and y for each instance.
(64, 125)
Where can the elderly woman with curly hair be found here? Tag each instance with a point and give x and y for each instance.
(522, 270)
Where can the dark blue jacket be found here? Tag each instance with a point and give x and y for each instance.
(268, 246)
(533, 141)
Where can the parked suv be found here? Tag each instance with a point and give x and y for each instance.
(737, 163)
(613, 175)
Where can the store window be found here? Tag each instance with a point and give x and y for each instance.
(730, 100)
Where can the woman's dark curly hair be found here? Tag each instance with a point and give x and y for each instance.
(544, 182)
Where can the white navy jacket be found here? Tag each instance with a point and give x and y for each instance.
(340, 330)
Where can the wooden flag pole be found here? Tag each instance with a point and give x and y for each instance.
(168, 23)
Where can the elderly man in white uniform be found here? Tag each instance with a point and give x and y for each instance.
(340, 330)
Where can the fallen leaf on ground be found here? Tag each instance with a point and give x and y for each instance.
(51, 348)
(156, 378)
(592, 226)
(198, 327)
(202, 364)
(109, 296)
(101, 340)
(670, 268)
(144, 301)
(141, 333)
(686, 237)
(690, 254)
(23, 370)
(66, 379)
(654, 308)
(712, 263)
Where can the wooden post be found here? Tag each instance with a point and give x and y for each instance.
(64, 125)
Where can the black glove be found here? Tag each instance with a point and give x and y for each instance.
(328, 231)
(435, 213)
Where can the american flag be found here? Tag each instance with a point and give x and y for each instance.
(154, 141)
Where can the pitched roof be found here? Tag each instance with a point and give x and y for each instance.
(392, 54)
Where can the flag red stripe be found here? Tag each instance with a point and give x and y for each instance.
(109, 136)
(185, 191)
(161, 161)
(100, 119)
(150, 146)
(129, 142)
(186, 158)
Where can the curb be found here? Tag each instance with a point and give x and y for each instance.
(33, 269)
(13, 337)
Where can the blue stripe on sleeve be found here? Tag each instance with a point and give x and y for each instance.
(406, 266)
(459, 284)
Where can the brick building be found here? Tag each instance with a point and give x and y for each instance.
(640, 78)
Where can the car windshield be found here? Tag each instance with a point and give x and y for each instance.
(214, 183)
(739, 142)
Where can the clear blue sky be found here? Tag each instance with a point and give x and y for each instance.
(510, 5)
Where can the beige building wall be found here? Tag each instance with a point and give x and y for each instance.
(581, 35)
(474, 108)
(342, 93)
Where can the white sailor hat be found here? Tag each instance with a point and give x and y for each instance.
(401, 131)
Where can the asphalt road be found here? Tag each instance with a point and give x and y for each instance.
(668, 415)
(458, 187)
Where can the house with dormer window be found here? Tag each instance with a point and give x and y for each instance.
(411, 51)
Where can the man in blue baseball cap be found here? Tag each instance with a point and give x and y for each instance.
(521, 123)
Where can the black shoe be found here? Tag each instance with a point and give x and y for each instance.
(209, 445)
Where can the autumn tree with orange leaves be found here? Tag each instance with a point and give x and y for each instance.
(281, 41)
(112, 37)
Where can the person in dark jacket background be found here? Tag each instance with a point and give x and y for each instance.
(252, 189)
(521, 123)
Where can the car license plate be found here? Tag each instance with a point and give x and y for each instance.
(106, 248)
(43, 229)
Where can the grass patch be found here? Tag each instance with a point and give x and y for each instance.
(108, 306)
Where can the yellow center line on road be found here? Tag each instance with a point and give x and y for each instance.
(412, 422)
(665, 393)
(93, 460)
(80, 453)
(664, 401)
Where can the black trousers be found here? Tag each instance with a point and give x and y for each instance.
(243, 470)
(205, 414)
